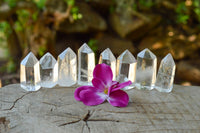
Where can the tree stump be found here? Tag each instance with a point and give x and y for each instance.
(56, 111)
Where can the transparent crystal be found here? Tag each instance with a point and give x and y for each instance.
(108, 58)
(67, 68)
(146, 70)
(86, 64)
(48, 71)
(30, 73)
(166, 73)
(126, 68)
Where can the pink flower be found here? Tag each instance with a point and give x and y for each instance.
(103, 89)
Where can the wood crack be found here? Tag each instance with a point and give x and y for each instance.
(109, 120)
(86, 118)
(17, 101)
(64, 124)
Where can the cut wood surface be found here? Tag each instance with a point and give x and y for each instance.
(56, 111)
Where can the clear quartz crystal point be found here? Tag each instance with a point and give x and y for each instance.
(108, 58)
(48, 71)
(126, 68)
(166, 73)
(146, 70)
(67, 68)
(30, 73)
(86, 64)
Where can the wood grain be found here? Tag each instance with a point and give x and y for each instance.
(56, 111)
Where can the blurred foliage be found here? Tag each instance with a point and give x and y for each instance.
(181, 12)
(185, 12)
(75, 13)
(9, 67)
(11, 3)
(184, 9)
(93, 45)
(146, 3)
(40, 3)
(24, 21)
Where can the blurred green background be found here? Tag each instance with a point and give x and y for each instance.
(39, 26)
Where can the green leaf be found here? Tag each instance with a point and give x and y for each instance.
(146, 3)
(11, 66)
(11, 3)
(196, 3)
(35, 16)
(181, 7)
(40, 3)
(18, 26)
(74, 10)
(70, 2)
(5, 28)
(42, 50)
(183, 19)
(93, 44)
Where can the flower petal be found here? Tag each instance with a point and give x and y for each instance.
(119, 86)
(90, 97)
(104, 73)
(98, 84)
(118, 98)
(78, 91)
(114, 83)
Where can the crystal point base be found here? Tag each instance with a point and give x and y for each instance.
(146, 70)
(67, 68)
(126, 68)
(165, 76)
(108, 58)
(48, 71)
(30, 73)
(86, 64)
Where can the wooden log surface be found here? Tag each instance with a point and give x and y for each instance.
(56, 111)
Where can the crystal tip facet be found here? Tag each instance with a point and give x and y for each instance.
(107, 54)
(127, 57)
(169, 59)
(85, 48)
(29, 60)
(146, 53)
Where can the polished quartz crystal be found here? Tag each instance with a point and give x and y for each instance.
(126, 68)
(30, 73)
(146, 70)
(165, 76)
(86, 64)
(67, 68)
(108, 58)
(48, 71)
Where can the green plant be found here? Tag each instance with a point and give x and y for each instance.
(181, 11)
(40, 3)
(11, 3)
(146, 3)
(5, 30)
(196, 4)
(93, 44)
(75, 13)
